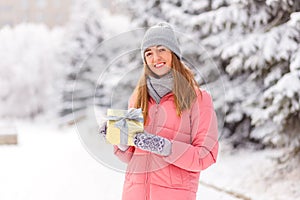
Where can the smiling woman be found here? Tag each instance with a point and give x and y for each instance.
(180, 135)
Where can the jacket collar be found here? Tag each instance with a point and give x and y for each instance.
(164, 98)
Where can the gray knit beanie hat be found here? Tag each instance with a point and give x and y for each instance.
(161, 34)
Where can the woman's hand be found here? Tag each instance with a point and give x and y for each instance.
(102, 132)
(153, 143)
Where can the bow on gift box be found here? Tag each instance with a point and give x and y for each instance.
(122, 123)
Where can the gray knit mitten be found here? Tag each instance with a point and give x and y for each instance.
(102, 130)
(153, 143)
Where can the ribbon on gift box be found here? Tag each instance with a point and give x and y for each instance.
(121, 122)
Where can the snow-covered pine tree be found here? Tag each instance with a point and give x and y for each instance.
(255, 43)
(275, 66)
(30, 74)
(83, 33)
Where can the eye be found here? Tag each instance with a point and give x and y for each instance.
(147, 54)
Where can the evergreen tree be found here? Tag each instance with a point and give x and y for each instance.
(30, 74)
(84, 33)
(255, 43)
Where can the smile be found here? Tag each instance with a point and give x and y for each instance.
(159, 65)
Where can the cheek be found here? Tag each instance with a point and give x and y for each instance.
(148, 61)
(170, 61)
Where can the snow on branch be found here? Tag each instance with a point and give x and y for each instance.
(259, 52)
(284, 98)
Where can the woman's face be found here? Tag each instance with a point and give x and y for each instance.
(159, 59)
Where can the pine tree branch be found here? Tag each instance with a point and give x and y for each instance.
(274, 22)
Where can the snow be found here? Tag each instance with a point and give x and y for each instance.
(113, 23)
(295, 61)
(51, 163)
(279, 94)
(255, 174)
(295, 18)
(273, 76)
(29, 67)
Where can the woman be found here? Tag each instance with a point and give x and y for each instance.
(180, 137)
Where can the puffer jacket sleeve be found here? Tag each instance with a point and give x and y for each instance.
(125, 156)
(203, 150)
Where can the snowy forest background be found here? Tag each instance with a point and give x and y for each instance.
(246, 53)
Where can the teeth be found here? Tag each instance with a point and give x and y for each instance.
(159, 65)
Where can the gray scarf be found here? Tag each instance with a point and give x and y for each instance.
(159, 87)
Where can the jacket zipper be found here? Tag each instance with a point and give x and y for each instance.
(147, 160)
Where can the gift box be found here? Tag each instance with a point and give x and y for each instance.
(122, 125)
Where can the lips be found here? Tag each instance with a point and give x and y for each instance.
(160, 64)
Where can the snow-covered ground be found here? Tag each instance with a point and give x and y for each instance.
(50, 163)
(255, 175)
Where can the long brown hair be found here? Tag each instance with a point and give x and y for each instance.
(183, 88)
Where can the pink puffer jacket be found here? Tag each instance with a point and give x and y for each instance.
(194, 137)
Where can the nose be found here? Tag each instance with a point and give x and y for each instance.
(156, 56)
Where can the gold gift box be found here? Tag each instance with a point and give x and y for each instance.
(113, 134)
